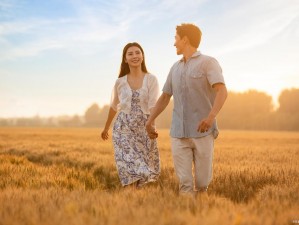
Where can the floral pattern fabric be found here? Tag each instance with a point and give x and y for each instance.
(136, 155)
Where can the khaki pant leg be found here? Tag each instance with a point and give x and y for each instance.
(182, 158)
(203, 161)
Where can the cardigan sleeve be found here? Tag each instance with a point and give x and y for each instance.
(153, 92)
(114, 96)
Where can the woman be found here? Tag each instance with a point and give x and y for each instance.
(134, 95)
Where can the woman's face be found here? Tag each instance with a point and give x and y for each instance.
(134, 57)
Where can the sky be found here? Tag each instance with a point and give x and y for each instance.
(58, 57)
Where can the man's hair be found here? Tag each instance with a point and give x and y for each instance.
(191, 31)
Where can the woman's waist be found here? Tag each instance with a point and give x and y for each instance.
(133, 108)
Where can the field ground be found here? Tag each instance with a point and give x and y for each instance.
(64, 176)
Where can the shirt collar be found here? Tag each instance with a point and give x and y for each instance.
(195, 54)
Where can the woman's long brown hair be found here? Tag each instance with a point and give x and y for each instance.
(124, 67)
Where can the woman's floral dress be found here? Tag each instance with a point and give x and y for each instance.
(136, 155)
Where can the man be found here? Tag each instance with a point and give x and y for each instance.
(198, 89)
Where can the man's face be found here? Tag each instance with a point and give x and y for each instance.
(179, 44)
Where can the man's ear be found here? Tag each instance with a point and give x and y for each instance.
(185, 40)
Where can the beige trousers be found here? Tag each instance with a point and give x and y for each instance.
(197, 152)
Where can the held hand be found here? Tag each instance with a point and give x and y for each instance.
(150, 129)
(105, 135)
(205, 125)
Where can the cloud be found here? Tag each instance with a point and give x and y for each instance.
(29, 37)
(90, 26)
(93, 23)
(6, 5)
(255, 23)
(8, 8)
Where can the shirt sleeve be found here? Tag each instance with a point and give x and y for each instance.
(153, 92)
(114, 97)
(214, 72)
(168, 84)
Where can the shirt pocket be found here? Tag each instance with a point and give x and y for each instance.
(196, 79)
(196, 74)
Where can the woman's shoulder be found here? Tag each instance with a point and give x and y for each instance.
(120, 80)
(151, 76)
(152, 80)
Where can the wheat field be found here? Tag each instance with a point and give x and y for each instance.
(56, 176)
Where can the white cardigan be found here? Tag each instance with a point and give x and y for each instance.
(122, 94)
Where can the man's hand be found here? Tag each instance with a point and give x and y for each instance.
(205, 124)
(151, 131)
(221, 94)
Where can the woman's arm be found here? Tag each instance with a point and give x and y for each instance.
(111, 115)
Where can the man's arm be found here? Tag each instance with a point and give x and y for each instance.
(155, 112)
(221, 95)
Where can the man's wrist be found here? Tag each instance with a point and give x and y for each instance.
(149, 122)
(212, 116)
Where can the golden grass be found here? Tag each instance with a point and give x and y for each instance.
(68, 176)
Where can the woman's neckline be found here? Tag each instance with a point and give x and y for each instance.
(139, 87)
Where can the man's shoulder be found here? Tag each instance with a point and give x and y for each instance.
(206, 57)
(206, 60)
(176, 63)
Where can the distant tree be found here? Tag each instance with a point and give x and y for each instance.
(52, 121)
(4, 122)
(92, 116)
(289, 101)
(29, 122)
(74, 121)
(103, 115)
(36, 121)
(164, 119)
(287, 116)
(23, 122)
(247, 110)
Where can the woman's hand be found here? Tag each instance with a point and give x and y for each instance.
(151, 131)
(105, 134)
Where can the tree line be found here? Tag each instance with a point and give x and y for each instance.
(253, 110)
